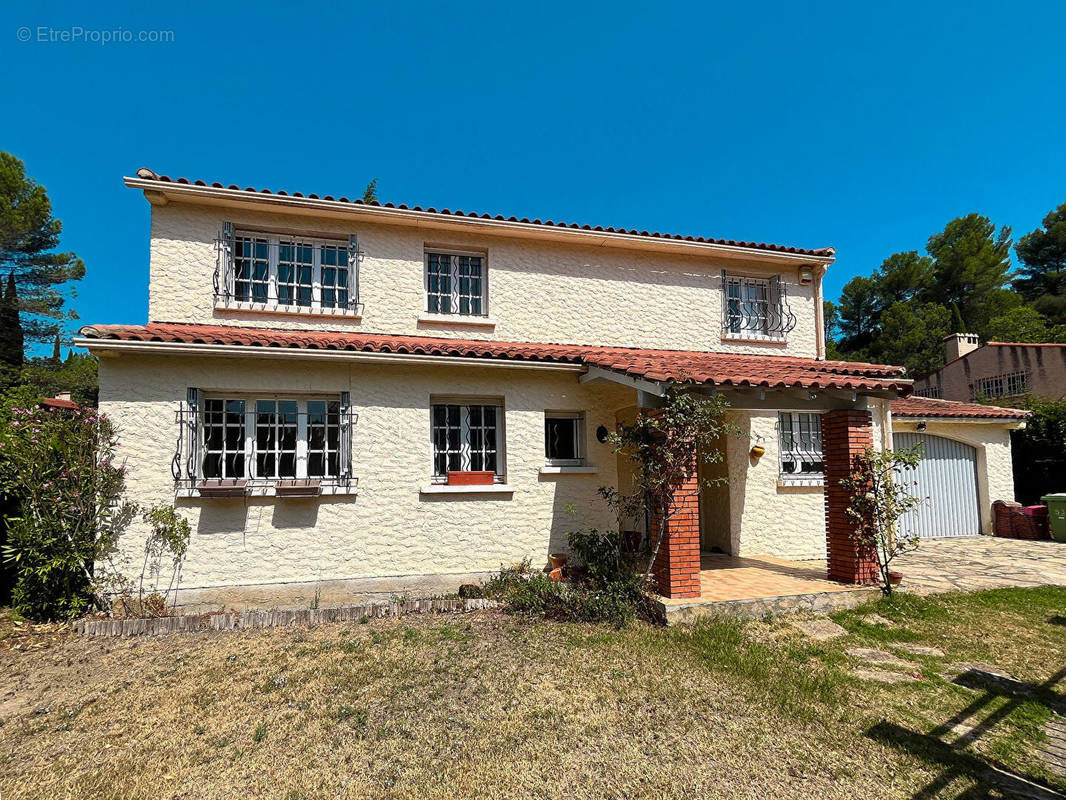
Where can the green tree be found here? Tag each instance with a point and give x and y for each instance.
(859, 312)
(11, 339)
(903, 277)
(29, 236)
(1042, 276)
(370, 193)
(1021, 324)
(970, 261)
(912, 335)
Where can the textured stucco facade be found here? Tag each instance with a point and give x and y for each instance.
(995, 474)
(387, 527)
(537, 291)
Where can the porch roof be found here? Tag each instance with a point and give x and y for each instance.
(929, 408)
(659, 366)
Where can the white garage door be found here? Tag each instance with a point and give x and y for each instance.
(947, 475)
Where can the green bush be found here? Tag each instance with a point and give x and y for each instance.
(601, 555)
(616, 602)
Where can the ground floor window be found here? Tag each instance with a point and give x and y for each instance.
(563, 438)
(466, 437)
(269, 438)
(800, 436)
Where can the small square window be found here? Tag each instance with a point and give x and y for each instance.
(563, 438)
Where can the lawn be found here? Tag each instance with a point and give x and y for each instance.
(486, 705)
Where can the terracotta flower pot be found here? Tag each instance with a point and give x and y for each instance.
(558, 560)
(478, 478)
(895, 578)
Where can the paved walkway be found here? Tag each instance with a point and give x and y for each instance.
(727, 578)
(981, 562)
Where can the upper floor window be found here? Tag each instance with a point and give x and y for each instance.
(466, 437)
(1010, 384)
(286, 272)
(456, 283)
(755, 308)
(800, 444)
(932, 392)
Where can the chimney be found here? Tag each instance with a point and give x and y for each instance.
(959, 344)
(62, 395)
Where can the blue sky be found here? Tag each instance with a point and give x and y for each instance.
(858, 125)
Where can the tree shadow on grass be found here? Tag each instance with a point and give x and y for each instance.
(955, 758)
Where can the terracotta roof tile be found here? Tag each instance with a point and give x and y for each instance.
(679, 366)
(146, 174)
(927, 407)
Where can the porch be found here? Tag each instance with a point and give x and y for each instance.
(757, 585)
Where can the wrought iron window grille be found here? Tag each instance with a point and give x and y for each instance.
(755, 308)
(466, 437)
(263, 442)
(800, 446)
(457, 284)
(270, 271)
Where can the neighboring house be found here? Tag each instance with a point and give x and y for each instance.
(1004, 371)
(349, 397)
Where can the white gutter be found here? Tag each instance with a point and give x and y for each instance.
(819, 314)
(437, 220)
(116, 346)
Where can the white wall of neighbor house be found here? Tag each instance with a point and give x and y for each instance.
(995, 472)
(537, 290)
(388, 528)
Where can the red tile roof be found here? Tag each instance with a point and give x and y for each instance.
(679, 366)
(146, 174)
(927, 407)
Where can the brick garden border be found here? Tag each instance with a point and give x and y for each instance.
(236, 620)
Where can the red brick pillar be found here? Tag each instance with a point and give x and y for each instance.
(677, 566)
(844, 435)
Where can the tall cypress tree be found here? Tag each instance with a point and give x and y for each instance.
(11, 335)
(57, 356)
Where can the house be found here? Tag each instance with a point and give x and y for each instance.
(347, 397)
(1004, 371)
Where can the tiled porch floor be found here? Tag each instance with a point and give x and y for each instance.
(724, 578)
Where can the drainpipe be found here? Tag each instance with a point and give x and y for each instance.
(819, 313)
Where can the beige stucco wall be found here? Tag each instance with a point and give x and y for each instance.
(538, 291)
(995, 475)
(388, 528)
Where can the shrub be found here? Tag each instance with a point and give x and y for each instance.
(602, 555)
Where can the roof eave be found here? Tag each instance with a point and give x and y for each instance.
(160, 193)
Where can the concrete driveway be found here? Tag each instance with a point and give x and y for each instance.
(981, 562)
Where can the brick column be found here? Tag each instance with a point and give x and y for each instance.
(677, 566)
(844, 435)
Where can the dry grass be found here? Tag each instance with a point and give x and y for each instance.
(481, 705)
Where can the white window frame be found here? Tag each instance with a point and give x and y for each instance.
(274, 241)
(250, 436)
(1007, 384)
(930, 392)
(454, 256)
(801, 478)
(464, 435)
(578, 418)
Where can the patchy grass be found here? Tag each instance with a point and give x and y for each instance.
(487, 705)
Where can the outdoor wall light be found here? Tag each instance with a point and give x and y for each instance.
(602, 433)
(921, 427)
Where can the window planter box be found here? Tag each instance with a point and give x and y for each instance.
(478, 478)
(303, 487)
(222, 487)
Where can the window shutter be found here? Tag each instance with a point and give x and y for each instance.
(353, 271)
(224, 263)
(192, 432)
(346, 436)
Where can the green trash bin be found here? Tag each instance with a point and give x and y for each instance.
(1056, 512)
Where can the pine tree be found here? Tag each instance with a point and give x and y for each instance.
(1042, 276)
(370, 193)
(971, 260)
(29, 236)
(11, 335)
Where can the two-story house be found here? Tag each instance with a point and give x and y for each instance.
(370, 398)
(1004, 371)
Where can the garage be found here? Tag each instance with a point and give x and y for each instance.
(965, 466)
(946, 480)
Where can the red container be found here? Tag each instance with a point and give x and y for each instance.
(480, 478)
